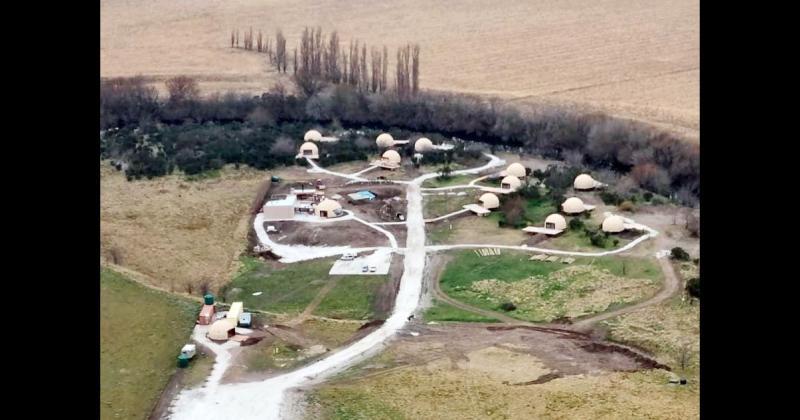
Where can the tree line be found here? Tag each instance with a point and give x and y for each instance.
(621, 152)
(323, 59)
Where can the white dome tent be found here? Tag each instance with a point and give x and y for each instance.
(384, 140)
(309, 150)
(423, 144)
(586, 182)
(575, 205)
(613, 224)
(328, 208)
(312, 135)
(517, 170)
(510, 183)
(555, 221)
(391, 156)
(489, 201)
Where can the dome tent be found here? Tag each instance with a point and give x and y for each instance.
(613, 224)
(423, 144)
(327, 208)
(585, 182)
(510, 183)
(489, 201)
(517, 170)
(312, 135)
(392, 156)
(385, 140)
(573, 205)
(555, 221)
(309, 150)
(222, 329)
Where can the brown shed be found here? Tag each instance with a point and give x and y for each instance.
(206, 315)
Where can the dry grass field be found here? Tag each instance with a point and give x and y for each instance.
(177, 231)
(637, 59)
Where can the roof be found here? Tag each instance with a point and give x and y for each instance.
(613, 224)
(511, 180)
(245, 317)
(207, 310)
(423, 144)
(312, 135)
(517, 170)
(362, 195)
(558, 220)
(219, 329)
(584, 182)
(573, 205)
(309, 146)
(489, 200)
(384, 140)
(392, 156)
(536, 229)
(328, 205)
(289, 200)
(235, 310)
(477, 209)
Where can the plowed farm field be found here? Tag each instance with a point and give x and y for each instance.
(635, 59)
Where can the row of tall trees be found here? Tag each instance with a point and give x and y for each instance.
(322, 59)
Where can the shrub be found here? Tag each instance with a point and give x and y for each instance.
(576, 224)
(648, 196)
(598, 239)
(679, 254)
(693, 287)
(627, 206)
(508, 306)
(610, 198)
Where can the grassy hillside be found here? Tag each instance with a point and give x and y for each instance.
(141, 333)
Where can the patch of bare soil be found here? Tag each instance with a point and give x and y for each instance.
(384, 300)
(327, 234)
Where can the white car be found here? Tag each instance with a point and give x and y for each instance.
(348, 256)
(373, 269)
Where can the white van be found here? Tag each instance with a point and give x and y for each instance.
(348, 256)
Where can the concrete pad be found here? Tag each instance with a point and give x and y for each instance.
(381, 259)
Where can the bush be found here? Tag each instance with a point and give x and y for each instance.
(610, 198)
(627, 206)
(648, 196)
(508, 306)
(598, 239)
(693, 287)
(576, 224)
(679, 254)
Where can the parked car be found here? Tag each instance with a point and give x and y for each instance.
(348, 256)
(373, 269)
(364, 269)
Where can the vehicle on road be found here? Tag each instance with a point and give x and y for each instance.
(348, 256)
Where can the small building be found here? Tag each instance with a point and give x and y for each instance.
(361, 196)
(384, 140)
(236, 309)
(189, 350)
(613, 224)
(309, 150)
(575, 205)
(280, 207)
(206, 315)
(517, 170)
(389, 160)
(245, 320)
(554, 224)
(479, 210)
(328, 208)
(510, 183)
(222, 330)
(312, 135)
(423, 144)
(489, 201)
(586, 182)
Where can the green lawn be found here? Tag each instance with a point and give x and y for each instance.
(487, 282)
(292, 288)
(341, 403)
(439, 205)
(453, 180)
(572, 240)
(536, 210)
(286, 290)
(351, 298)
(141, 334)
(441, 311)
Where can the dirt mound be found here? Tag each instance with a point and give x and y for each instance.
(645, 362)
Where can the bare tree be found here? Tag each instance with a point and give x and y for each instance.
(332, 69)
(260, 41)
(415, 69)
(376, 69)
(364, 83)
(280, 51)
(233, 38)
(385, 69)
(182, 89)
